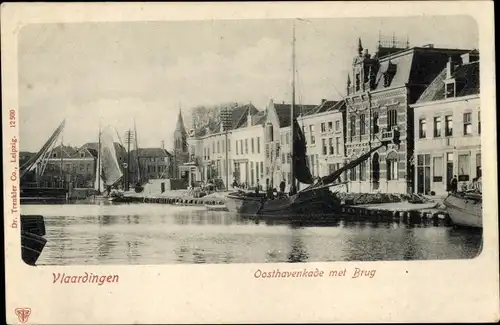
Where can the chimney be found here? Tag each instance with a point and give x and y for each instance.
(469, 57)
(449, 68)
(163, 144)
(249, 118)
(323, 101)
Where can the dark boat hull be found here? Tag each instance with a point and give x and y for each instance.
(31, 247)
(465, 211)
(32, 242)
(246, 204)
(307, 205)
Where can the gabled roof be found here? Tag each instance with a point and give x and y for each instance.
(120, 150)
(259, 118)
(326, 106)
(467, 83)
(238, 119)
(67, 151)
(284, 112)
(152, 153)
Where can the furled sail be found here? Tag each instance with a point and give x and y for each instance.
(301, 171)
(108, 167)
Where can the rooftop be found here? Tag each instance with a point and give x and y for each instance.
(467, 83)
(152, 153)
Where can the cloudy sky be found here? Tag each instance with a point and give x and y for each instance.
(115, 72)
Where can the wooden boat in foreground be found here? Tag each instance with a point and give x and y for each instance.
(465, 209)
(32, 241)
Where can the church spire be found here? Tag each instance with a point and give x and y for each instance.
(179, 128)
(360, 46)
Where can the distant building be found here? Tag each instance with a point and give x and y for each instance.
(207, 146)
(180, 152)
(277, 127)
(383, 87)
(247, 154)
(447, 121)
(324, 132)
(154, 163)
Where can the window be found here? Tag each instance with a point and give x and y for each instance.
(228, 144)
(282, 157)
(375, 123)
(324, 146)
(353, 125)
(463, 167)
(478, 122)
(287, 138)
(252, 144)
(241, 146)
(258, 145)
(82, 154)
(337, 126)
(208, 153)
(437, 166)
(422, 128)
(352, 173)
(261, 169)
(267, 151)
(236, 147)
(362, 171)
(218, 146)
(467, 123)
(357, 82)
(223, 147)
(392, 118)
(450, 89)
(330, 145)
(337, 145)
(392, 167)
(323, 127)
(330, 126)
(311, 130)
(478, 165)
(437, 127)
(362, 124)
(448, 125)
(288, 158)
(213, 147)
(246, 145)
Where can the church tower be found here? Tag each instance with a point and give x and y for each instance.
(180, 146)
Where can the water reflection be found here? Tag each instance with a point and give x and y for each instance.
(157, 234)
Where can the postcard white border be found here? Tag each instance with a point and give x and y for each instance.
(402, 291)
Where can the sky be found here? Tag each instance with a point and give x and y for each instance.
(113, 73)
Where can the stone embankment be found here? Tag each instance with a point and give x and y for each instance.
(179, 197)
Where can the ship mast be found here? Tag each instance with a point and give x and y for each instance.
(99, 161)
(293, 186)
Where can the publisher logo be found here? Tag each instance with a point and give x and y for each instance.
(23, 314)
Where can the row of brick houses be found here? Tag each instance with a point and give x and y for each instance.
(397, 87)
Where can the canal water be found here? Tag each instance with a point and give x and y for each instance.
(79, 234)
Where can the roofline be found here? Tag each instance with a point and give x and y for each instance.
(418, 48)
(446, 100)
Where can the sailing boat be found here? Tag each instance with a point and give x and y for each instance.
(138, 188)
(108, 171)
(316, 200)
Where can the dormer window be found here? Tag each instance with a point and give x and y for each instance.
(450, 89)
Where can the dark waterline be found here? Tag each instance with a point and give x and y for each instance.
(164, 234)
